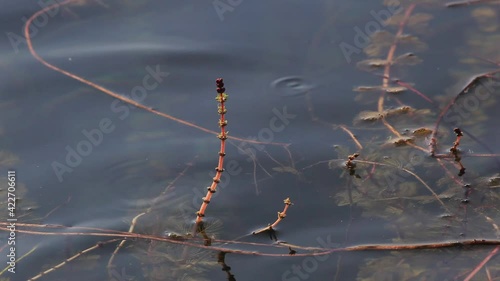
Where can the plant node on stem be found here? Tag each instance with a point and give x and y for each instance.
(281, 216)
(456, 152)
(350, 165)
(221, 109)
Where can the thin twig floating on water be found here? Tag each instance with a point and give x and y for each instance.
(317, 251)
(169, 188)
(66, 261)
(483, 262)
(455, 4)
(100, 88)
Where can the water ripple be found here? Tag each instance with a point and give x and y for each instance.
(291, 86)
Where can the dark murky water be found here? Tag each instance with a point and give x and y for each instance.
(83, 158)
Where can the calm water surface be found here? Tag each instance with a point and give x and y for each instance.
(277, 59)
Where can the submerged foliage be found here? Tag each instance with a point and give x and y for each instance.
(418, 196)
(408, 170)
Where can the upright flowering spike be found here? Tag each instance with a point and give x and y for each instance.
(221, 98)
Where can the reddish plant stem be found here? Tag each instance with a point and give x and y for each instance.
(415, 176)
(482, 263)
(111, 93)
(387, 70)
(320, 251)
(281, 216)
(353, 137)
(465, 89)
(406, 85)
(440, 162)
(221, 98)
(170, 187)
(422, 95)
(68, 260)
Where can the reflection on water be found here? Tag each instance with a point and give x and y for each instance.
(151, 172)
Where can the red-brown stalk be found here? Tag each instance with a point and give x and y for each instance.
(281, 216)
(221, 98)
(130, 101)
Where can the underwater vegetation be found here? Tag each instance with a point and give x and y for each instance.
(416, 168)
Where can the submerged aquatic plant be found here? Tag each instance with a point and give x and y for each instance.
(221, 109)
(398, 174)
